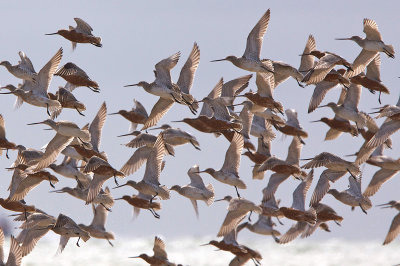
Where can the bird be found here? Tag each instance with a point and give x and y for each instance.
(150, 184)
(394, 229)
(323, 184)
(237, 210)
(228, 174)
(142, 201)
(67, 100)
(137, 115)
(332, 162)
(292, 126)
(23, 70)
(35, 93)
(102, 171)
(196, 190)
(82, 33)
(97, 228)
(371, 45)
(4, 143)
(263, 226)
(160, 256)
(76, 77)
(353, 196)
(250, 60)
(15, 253)
(69, 168)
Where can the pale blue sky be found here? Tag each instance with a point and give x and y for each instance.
(136, 35)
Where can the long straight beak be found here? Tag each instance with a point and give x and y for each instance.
(118, 199)
(224, 59)
(155, 128)
(200, 172)
(114, 113)
(177, 121)
(119, 186)
(136, 257)
(349, 155)
(57, 191)
(307, 159)
(386, 205)
(218, 200)
(204, 244)
(342, 39)
(10, 92)
(322, 106)
(37, 123)
(55, 33)
(315, 121)
(131, 85)
(124, 135)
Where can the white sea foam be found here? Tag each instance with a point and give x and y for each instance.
(188, 251)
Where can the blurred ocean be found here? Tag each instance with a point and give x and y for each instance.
(188, 251)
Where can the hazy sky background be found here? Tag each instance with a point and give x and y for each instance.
(136, 35)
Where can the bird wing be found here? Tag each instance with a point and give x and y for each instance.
(361, 62)
(354, 187)
(307, 60)
(188, 70)
(138, 158)
(215, 93)
(161, 107)
(195, 207)
(246, 117)
(70, 69)
(377, 181)
(15, 255)
(28, 238)
(332, 134)
(26, 63)
(1, 245)
(321, 89)
(94, 163)
(163, 68)
(46, 74)
(255, 38)
(154, 161)
(82, 26)
(265, 84)
(385, 131)
(292, 119)
(159, 248)
(394, 230)
(2, 128)
(95, 186)
(321, 69)
(322, 159)
(323, 184)
(139, 108)
(96, 126)
(232, 156)
(299, 194)
(53, 149)
(294, 151)
(353, 96)
(143, 139)
(371, 30)
(26, 185)
(231, 221)
(374, 69)
(235, 86)
(195, 178)
(63, 243)
(293, 232)
(274, 181)
(100, 217)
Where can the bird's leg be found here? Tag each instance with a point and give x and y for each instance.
(115, 180)
(351, 174)
(51, 184)
(256, 262)
(237, 192)
(77, 242)
(197, 148)
(250, 216)
(94, 89)
(7, 154)
(279, 221)
(79, 112)
(301, 140)
(336, 222)
(298, 82)
(110, 242)
(79, 182)
(173, 96)
(364, 211)
(47, 109)
(275, 238)
(379, 98)
(151, 200)
(108, 209)
(25, 214)
(156, 215)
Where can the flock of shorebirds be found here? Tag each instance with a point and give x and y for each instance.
(261, 116)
